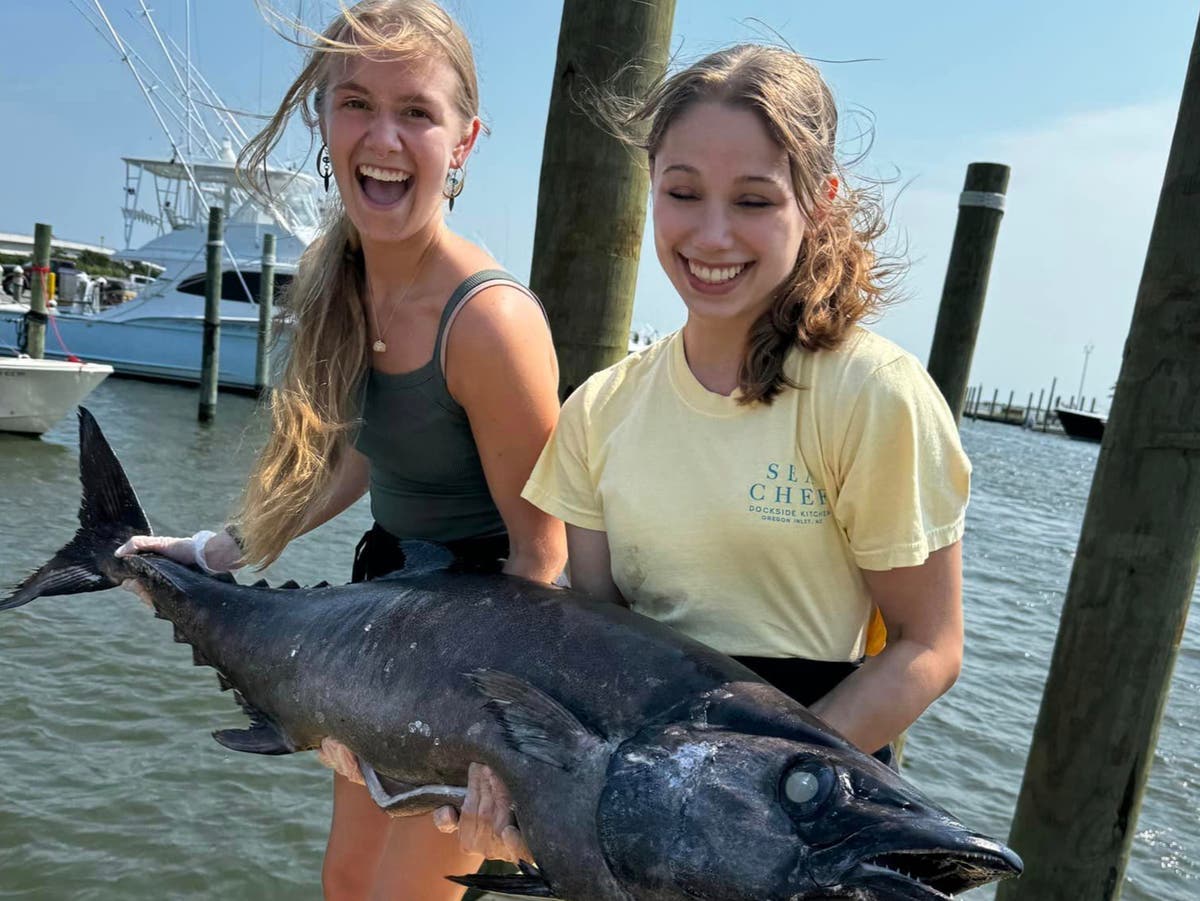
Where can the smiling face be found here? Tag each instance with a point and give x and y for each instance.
(727, 222)
(394, 130)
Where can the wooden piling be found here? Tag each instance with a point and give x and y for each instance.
(980, 208)
(1049, 404)
(211, 354)
(266, 303)
(35, 340)
(992, 408)
(586, 276)
(1133, 575)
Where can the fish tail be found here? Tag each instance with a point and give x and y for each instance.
(108, 515)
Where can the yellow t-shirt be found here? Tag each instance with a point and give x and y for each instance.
(746, 526)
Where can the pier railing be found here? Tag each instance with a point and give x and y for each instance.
(1037, 415)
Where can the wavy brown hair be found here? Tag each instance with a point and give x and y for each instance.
(315, 406)
(839, 278)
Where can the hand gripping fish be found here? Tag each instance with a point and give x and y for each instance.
(643, 765)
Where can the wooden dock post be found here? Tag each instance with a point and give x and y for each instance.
(39, 284)
(266, 303)
(586, 276)
(1049, 404)
(210, 361)
(992, 407)
(980, 208)
(1133, 576)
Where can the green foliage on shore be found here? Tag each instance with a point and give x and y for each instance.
(94, 264)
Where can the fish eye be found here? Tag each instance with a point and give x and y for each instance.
(801, 787)
(806, 787)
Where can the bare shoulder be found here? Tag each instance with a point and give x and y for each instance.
(498, 340)
(499, 316)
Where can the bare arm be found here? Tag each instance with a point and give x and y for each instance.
(922, 608)
(591, 564)
(349, 483)
(221, 552)
(500, 366)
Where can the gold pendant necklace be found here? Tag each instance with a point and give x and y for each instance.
(380, 346)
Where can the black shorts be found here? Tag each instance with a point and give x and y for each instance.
(379, 552)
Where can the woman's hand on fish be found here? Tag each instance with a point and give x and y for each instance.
(486, 824)
(340, 759)
(211, 551)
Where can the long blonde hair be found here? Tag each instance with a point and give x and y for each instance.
(839, 277)
(314, 407)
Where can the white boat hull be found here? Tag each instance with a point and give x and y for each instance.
(152, 339)
(169, 349)
(35, 394)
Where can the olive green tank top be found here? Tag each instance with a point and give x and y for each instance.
(426, 477)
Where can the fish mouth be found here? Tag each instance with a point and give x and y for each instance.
(932, 875)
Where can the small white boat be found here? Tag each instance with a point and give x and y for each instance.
(35, 394)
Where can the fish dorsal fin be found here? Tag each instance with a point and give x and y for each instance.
(533, 722)
(261, 583)
(529, 884)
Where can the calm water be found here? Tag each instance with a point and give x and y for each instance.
(111, 788)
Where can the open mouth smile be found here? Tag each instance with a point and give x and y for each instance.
(383, 187)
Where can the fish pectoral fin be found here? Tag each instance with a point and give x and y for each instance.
(263, 736)
(402, 799)
(533, 722)
(529, 884)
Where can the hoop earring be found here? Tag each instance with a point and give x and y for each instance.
(324, 165)
(456, 179)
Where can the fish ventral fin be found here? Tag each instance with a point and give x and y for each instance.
(529, 884)
(263, 736)
(533, 722)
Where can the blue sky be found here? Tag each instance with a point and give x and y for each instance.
(1078, 97)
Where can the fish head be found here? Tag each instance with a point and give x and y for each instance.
(707, 813)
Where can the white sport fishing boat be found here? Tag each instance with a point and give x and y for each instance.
(159, 332)
(35, 394)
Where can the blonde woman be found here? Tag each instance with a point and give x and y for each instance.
(417, 371)
(769, 476)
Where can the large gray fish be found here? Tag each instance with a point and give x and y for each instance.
(643, 765)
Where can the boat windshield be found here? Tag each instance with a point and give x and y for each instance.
(232, 285)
